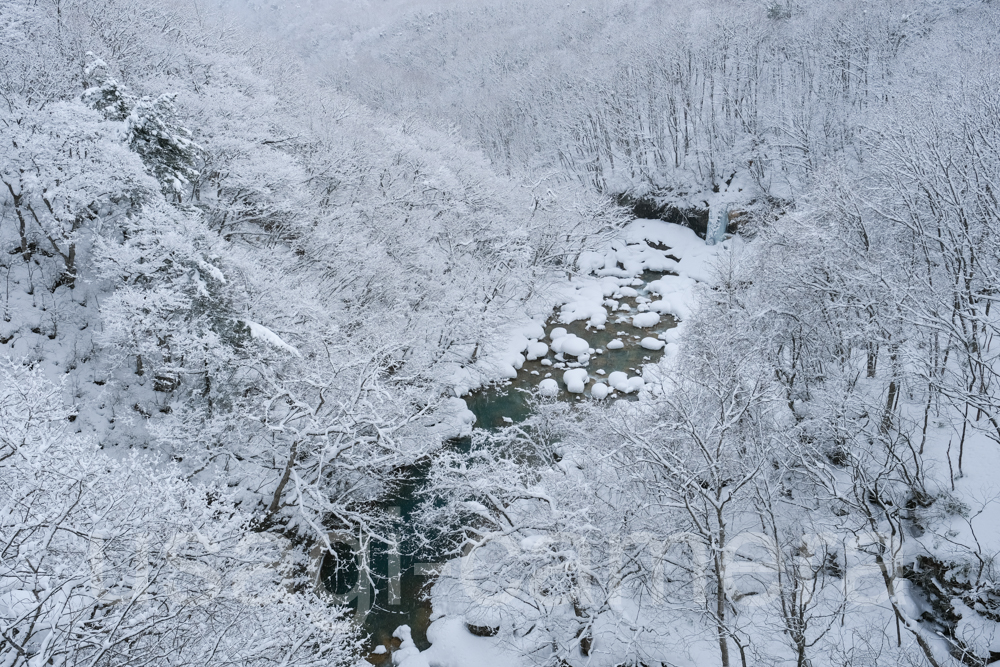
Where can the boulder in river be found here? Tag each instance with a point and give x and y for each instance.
(652, 343)
(576, 380)
(548, 387)
(646, 320)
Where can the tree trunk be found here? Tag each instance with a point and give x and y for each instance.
(276, 498)
(889, 402)
(720, 590)
(872, 359)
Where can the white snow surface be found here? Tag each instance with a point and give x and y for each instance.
(652, 343)
(571, 344)
(635, 383)
(548, 387)
(452, 645)
(646, 320)
(618, 380)
(536, 350)
(576, 380)
(407, 655)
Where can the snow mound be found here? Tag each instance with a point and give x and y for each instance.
(646, 320)
(585, 302)
(600, 391)
(558, 332)
(652, 343)
(537, 350)
(506, 371)
(571, 344)
(576, 380)
(407, 655)
(533, 330)
(452, 645)
(619, 381)
(616, 344)
(548, 387)
(535, 542)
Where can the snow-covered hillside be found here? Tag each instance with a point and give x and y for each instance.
(254, 254)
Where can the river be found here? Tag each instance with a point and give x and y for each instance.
(403, 580)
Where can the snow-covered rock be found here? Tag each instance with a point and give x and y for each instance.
(537, 350)
(506, 371)
(533, 331)
(548, 387)
(672, 335)
(616, 344)
(571, 344)
(453, 645)
(558, 332)
(646, 320)
(619, 381)
(575, 380)
(600, 391)
(407, 655)
(635, 383)
(652, 343)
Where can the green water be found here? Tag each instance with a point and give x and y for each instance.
(494, 406)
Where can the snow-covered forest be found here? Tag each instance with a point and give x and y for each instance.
(499, 333)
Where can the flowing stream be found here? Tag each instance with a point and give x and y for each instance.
(405, 602)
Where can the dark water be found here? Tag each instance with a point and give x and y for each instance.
(401, 576)
(401, 599)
